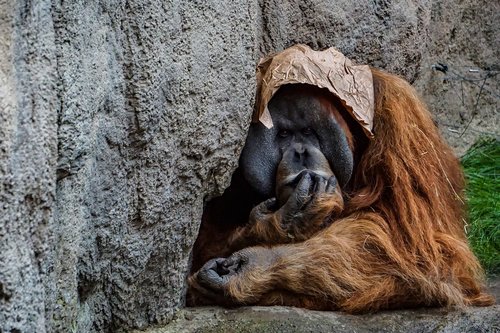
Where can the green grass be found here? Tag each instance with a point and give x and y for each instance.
(482, 171)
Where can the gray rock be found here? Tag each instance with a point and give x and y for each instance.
(119, 119)
(284, 319)
(288, 319)
(465, 101)
(156, 100)
(28, 156)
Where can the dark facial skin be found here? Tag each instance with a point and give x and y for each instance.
(292, 168)
(305, 137)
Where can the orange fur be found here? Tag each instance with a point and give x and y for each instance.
(399, 241)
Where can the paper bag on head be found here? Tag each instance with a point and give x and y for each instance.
(329, 69)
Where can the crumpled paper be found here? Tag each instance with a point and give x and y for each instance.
(329, 69)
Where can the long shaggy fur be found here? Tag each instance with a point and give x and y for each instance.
(400, 239)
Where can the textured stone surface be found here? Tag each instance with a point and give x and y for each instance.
(118, 119)
(28, 155)
(388, 34)
(464, 35)
(283, 319)
(155, 101)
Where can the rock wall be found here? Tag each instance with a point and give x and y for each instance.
(28, 156)
(465, 36)
(120, 118)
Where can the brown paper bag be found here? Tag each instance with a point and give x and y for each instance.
(329, 69)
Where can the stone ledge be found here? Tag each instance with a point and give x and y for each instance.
(277, 319)
(287, 319)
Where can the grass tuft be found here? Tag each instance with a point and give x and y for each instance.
(481, 165)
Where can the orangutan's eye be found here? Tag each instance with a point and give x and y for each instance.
(283, 133)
